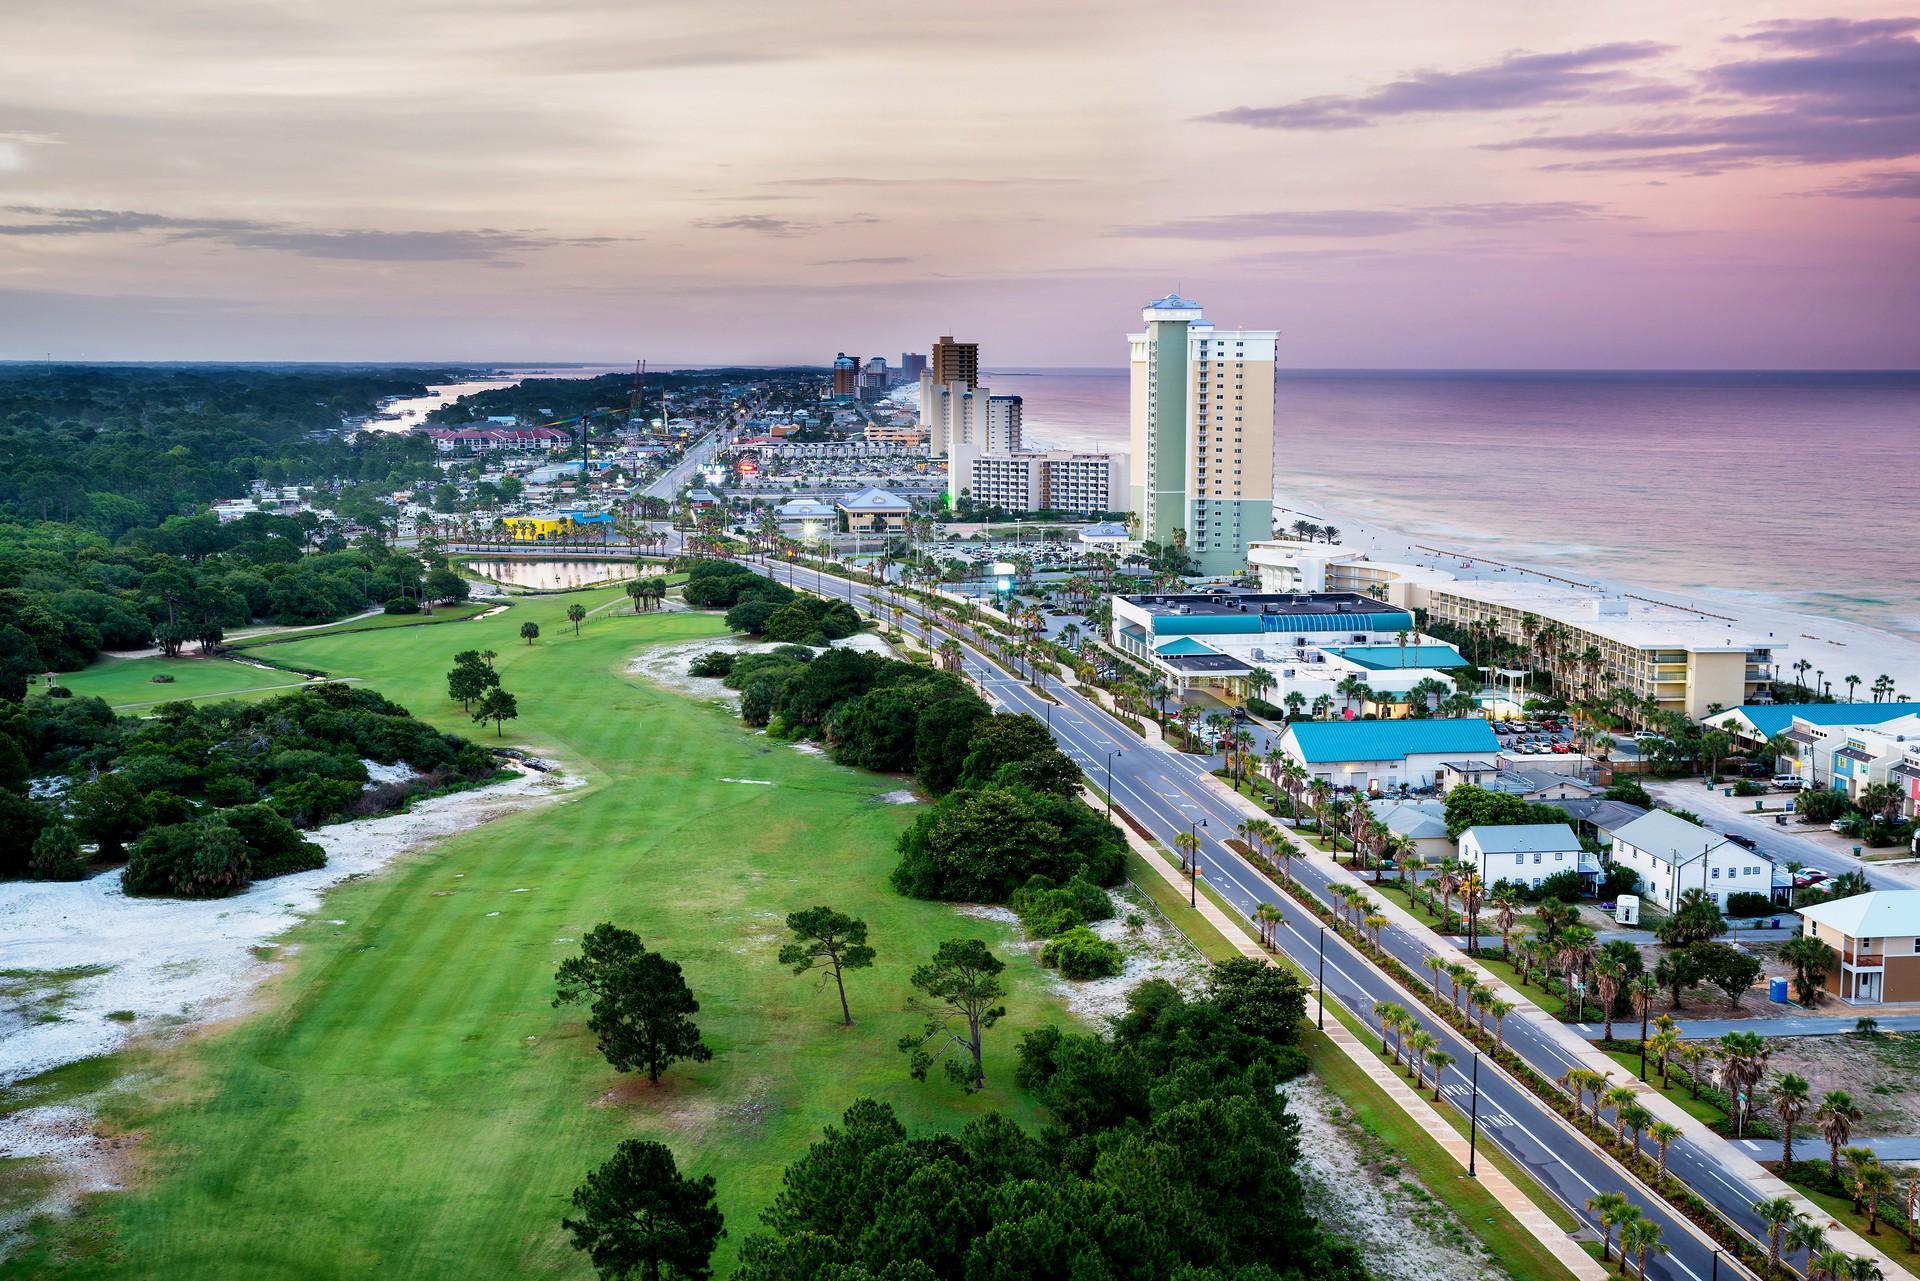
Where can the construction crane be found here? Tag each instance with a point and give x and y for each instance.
(639, 390)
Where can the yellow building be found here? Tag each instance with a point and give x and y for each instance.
(558, 526)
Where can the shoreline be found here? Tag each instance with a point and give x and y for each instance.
(1835, 645)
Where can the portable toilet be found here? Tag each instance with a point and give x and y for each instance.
(1777, 989)
(1626, 910)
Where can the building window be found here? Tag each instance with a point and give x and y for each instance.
(1559, 856)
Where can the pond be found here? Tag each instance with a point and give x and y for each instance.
(554, 575)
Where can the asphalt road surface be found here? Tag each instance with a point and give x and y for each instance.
(1168, 793)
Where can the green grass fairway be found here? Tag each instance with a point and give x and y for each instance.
(127, 683)
(407, 1104)
(444, 614)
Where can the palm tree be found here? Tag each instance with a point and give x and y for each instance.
(1472, 890)
(1663, 1133)
(1871, 1181)
(636, 592)
(1618, 1100)
(1636, 1118)
(1743, 1061)
(1434, 965)
(1609, 1210)
(1835, 1118)
(1419, 1043)
(1374, 922)
(575, 613)
(1505, 901)
(1853, 683)
(1641, 1236)
(1790, 1101)
(1575, 951)
(1440, 1061)
(1499, 1009)
(1803, 1235)
(1776, 1213)
(1188, 844)
(1608, 973)
(1270, 921)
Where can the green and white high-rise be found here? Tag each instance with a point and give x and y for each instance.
(1202, 434)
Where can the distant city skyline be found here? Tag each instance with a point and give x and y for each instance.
(1415, 186)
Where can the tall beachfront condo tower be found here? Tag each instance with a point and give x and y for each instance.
(955, 364)
(1202, 433)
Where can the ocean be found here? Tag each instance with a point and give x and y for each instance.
(1790, 490)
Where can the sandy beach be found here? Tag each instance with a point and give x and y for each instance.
(1838, 647)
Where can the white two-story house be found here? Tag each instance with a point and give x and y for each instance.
(1673, 856)
(1527, 853)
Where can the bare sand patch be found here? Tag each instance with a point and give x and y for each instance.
(1881, 1072)
(179, 963)
(1361, 1193)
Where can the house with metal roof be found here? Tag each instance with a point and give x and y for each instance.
(1752, 724)
(1423, 822)
(1673, 855)
(1527, 853)
(1875, 939)
(1372, 756)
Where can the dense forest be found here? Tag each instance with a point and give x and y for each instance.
(542, 399)
(113, 448)
(104, 477)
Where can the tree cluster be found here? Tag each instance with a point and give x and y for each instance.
(1170, 1155)
(114, 780)
(1470, 806)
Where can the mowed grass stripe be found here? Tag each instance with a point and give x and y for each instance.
(387, 1114)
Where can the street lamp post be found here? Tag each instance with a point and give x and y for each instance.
(1320, 1014)
(1473, 1120)
(1193, 871)
(1110, 755)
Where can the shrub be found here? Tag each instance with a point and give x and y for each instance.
(1620, 879)
(56, 855)
(1822, 805)
(275, 847)
(161, 678)
(1747, 904)
(1047, 909)
(59, 691)
(978, 845)
(1261, 707)
(402, 605)
(1082, 954)
(1747, 787)
(712, 663)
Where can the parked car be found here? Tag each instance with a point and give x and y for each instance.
(1744, 842)
(1815, 875)
(1841, 825)
(1789, 782)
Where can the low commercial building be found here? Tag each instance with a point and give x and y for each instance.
(1686, 660)
(806, 518)
(874, 511)
(1340, 650)
(1673, 855)
(1527, 853)
(1875, 939)
(1372, 756)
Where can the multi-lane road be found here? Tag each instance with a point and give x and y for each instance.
(1168, 793)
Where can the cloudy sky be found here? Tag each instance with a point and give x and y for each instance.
(1392, 183)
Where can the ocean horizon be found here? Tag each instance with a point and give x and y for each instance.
(1791, 489)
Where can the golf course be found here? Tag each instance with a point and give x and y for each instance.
(403, 1100)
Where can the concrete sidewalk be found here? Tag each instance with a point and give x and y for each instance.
(1413, 1102)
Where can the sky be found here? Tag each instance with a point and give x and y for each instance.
(1390, 183)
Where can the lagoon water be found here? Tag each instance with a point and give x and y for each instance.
(554, 575)
(1797, 489)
